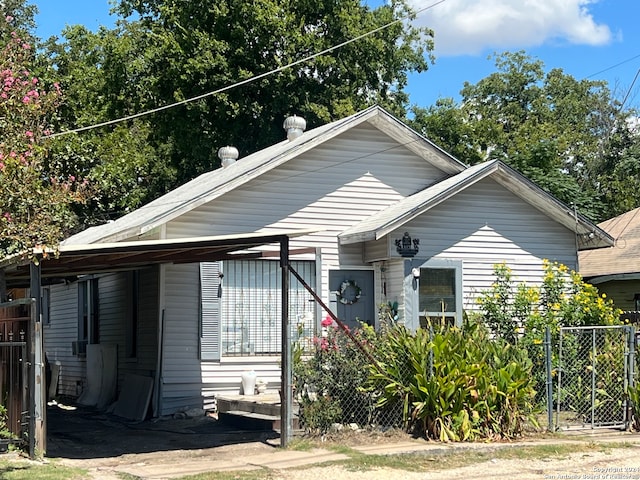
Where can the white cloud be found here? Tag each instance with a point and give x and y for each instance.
(474, 26)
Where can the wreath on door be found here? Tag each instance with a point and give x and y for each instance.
(349, 292)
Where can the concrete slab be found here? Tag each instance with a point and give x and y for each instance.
(276, 460)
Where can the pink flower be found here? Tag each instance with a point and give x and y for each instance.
(3, 95)
(29, 133)
(72, 178)
(25, 99)
(8, 18)
(328, 321)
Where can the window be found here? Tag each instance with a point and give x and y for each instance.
(248, 297)
(88, 322)
(440, 292)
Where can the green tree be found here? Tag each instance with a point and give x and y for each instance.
(35, 203)
(551, 127)
(178, 50)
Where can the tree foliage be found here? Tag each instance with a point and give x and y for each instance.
(35, 203)
(567, 135)
(178, 50)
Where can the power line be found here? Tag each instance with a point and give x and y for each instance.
(629, 90)
(244, 82)
(613, 66)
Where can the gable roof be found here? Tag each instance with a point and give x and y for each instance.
(395, 216)
(621, 259)
(211, 185)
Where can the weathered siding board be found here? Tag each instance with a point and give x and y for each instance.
(59, 334)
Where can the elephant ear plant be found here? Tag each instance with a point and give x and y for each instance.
(633, 393)
(455, 384)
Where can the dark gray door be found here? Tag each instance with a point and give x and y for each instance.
(356, 302)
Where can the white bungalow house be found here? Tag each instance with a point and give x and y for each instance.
(375, 213)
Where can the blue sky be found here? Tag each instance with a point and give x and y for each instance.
(586, 38)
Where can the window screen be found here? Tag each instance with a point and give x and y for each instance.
(251, 306)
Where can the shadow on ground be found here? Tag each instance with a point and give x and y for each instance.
(80, 432)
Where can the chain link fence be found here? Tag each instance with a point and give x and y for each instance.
(575, 379)
(595, 368)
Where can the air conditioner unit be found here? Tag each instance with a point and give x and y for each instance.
(79, 348)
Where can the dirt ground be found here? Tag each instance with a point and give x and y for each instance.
(104, 444)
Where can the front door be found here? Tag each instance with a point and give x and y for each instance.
(352, 297)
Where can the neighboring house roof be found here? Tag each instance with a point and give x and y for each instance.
(393, 217)
(211, 185)
(623, 258)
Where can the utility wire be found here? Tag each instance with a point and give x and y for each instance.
(244, 82)
(613, 66)
(629, 90)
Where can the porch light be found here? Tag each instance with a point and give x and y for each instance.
(407, 247)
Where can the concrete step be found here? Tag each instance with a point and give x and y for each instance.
(266, 404)
(253, 421)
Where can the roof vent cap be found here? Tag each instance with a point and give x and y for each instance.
(294, 127)
(228, 155)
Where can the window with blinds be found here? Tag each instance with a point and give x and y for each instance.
(241, 307)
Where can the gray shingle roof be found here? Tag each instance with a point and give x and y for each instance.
(211, 185)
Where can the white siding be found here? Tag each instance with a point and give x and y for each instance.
(58, 335)
(113, 304)
(186, 380)
(115, 298)
(331, 187)
(181, 380)
(485, 225)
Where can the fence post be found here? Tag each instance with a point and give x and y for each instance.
(630, 376)
(547, 353)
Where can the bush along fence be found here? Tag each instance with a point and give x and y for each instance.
(531, 358)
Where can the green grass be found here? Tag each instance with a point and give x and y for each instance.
(25, 470)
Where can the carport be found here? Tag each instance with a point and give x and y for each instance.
(76, 260)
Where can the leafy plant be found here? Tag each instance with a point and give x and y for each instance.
(633, 394)
(455, 384)
(329, 382)
(521, 314)
(4, 427)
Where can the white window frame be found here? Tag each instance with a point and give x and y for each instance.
(437, 264)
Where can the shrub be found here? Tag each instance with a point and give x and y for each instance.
(562, 300)
(4, 427)
(329, 382)
(455, 384)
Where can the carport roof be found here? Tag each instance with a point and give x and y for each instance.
(73, 260)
